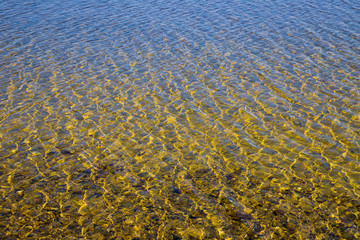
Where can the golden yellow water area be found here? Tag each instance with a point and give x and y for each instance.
(180, 120)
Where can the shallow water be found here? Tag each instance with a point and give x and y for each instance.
(180, 119)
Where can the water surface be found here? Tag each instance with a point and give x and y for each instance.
(180, 119)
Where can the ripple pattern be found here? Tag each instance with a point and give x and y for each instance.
(180, 119)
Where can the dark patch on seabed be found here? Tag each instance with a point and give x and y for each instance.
(180, 119)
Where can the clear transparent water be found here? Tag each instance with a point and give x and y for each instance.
(180, 119)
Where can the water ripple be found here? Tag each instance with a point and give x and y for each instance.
(179, 119)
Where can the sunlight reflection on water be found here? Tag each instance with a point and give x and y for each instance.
(179, 119)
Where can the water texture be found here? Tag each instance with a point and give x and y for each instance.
(180, 119)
